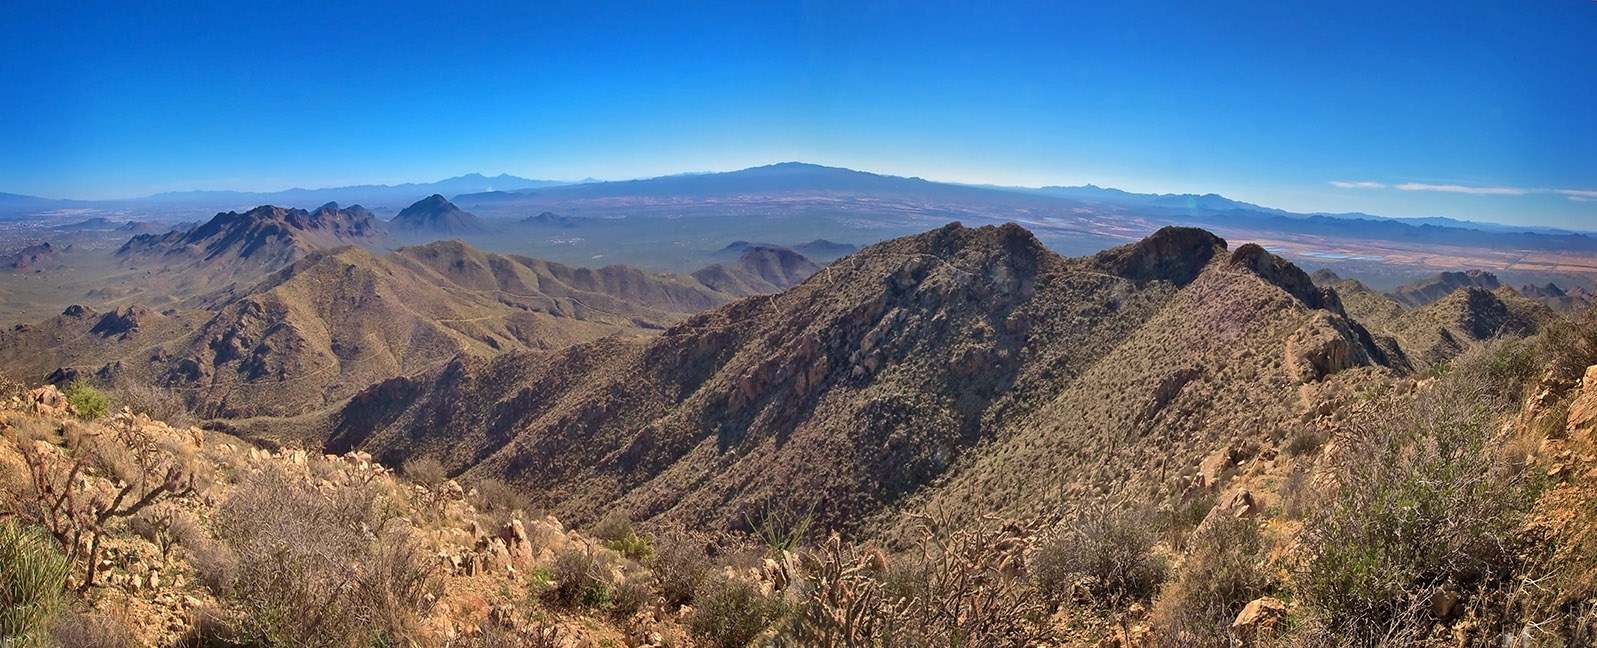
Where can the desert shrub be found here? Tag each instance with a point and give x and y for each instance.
(1571, 345)
(780, 526)
(426, 471)
(1297, 492)
(1223, 570)
(33, 575)
(582, 579)
(730, 613)
(145, 469)
(680, 564)
(309, 572)
(960, 588)
(91, 629)
(497, 499)
(1497, 373)
(618, 534)
(630, 596)
(1422, 497)
(1303, 441)
(165, 526)
(1179, 517)
(215, 565)
(157, 402)
(209, 627)
(89, 401)
(1105, 548)
(614, 526)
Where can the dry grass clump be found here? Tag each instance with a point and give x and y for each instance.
(961, 587)
(77, 628)
(498, 500)
(1223, 570)
(426, 471)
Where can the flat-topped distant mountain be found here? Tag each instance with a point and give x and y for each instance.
(373, 194)
(435, 216)
(816, 250)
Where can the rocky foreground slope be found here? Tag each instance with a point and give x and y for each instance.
(1392, 520)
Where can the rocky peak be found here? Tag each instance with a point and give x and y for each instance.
(1289, 277)
(1173, 254)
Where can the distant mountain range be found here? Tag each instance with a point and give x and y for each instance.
(790, 179)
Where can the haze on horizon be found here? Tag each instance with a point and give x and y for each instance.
(1469, 110)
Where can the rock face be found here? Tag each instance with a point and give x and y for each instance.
(1583, 412)
(1289, 277)
(240, 248)
(123, 321)
(1173, 254)
(1260, 620)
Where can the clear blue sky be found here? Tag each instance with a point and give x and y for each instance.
(1480, 110)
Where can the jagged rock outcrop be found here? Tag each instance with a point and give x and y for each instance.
(1173, 254)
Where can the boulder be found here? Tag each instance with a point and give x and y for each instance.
(1260, 620)
(1445, 602)
(1583, 412)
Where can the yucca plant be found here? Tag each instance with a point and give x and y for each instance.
(33, 576)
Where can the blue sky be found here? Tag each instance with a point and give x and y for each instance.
(1481, 110)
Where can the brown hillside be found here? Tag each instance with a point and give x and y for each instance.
(1443, 329)
(877, 376)
(1430, 289)
(338, 321)
(759, 271)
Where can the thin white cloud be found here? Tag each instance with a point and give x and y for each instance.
(1474, 191)
(1577, 195)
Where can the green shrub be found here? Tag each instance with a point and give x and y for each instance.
(90, 402)
(730, 613)
(618, 534)
(33, 575)
(581, 579)
(1424, 497)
